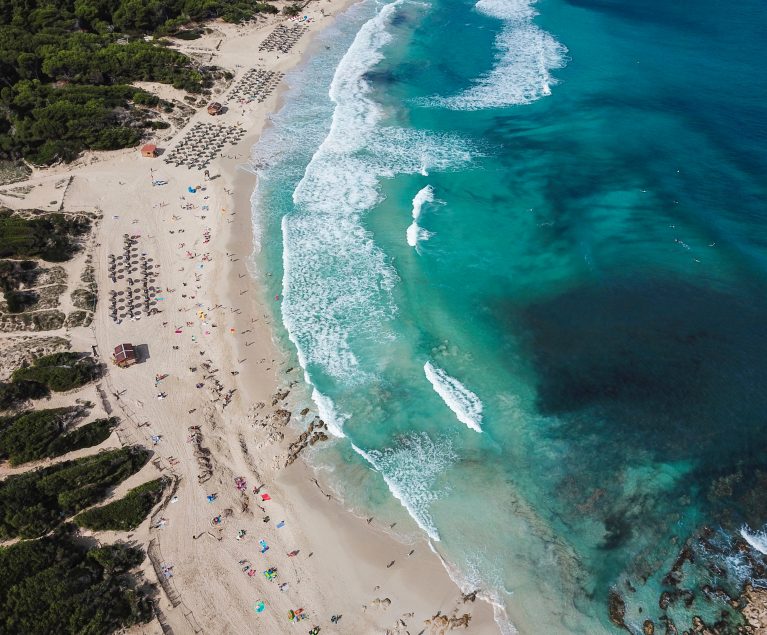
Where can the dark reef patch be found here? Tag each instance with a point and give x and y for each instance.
(670, 367)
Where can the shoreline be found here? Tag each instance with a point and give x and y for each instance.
(428, 565)
(222, 373)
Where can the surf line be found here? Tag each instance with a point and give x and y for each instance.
(466, 406)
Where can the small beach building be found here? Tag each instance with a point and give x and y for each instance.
(149, 150)
(214, 108)
(125, 355)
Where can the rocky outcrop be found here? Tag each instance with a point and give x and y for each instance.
(201, 453)
(755, 609)
(440, 624)
(279, 396)
(313, 434)
(617, 609)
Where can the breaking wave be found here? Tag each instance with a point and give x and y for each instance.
(337, 283)
(525, 57)
(410, 471)
(415, 232)
(466, 406)
(757, 539)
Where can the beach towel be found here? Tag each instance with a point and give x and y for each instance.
(266, 497)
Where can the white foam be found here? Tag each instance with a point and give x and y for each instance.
(511, 10)
(470, 581)
(466, 406)
(525, 57)
(337, 283)
(415, 232)
(757, 539)
(410, 471)
(329, 414)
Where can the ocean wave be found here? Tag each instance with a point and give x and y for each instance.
(757, 539)
(337, 283)
(525, 58)
(410, 471)
(466, 406)
(329, 414)
(415, 232)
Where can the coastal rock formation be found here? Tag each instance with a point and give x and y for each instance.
(755, 609)
(201, 453)
(314, 433)
(280, 395)
(617, 608)
(439, 624)
(281, 417)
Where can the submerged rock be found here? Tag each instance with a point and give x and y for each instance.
(617, 608)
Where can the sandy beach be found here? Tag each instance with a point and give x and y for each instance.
(211, 394)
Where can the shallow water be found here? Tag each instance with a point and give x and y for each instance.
(521, 252)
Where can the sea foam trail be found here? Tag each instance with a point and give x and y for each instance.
(525, 57)
(415, 232)
(337, 283)
(464, 403)
(410, 471)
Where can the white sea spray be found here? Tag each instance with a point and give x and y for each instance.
(415, 232)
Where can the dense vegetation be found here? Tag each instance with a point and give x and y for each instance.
(54, 585)
(13, 274)
(17, 392)
(59, 371)
(65, 68)
(41, 434)
(50, 237)
(33, 503)
(126, 513)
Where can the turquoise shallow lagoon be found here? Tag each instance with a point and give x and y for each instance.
(522, 256)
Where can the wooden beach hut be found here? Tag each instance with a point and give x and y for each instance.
(149, 150)
(214, 108)
(125, 355)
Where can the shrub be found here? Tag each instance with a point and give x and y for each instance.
(126, 513)
(292, 9)
(19, 301)
(41, 434)
(15, 393)
(49, 237)
(33, 503)
(59, 372)
(54, 585)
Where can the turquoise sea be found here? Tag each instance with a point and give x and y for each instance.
(521, 255)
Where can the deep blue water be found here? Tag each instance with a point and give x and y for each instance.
(558, 371)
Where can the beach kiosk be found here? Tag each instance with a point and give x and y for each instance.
(214, 108)
(149, 151)
(125, 355)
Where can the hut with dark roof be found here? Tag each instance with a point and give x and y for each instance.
(125, 355)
